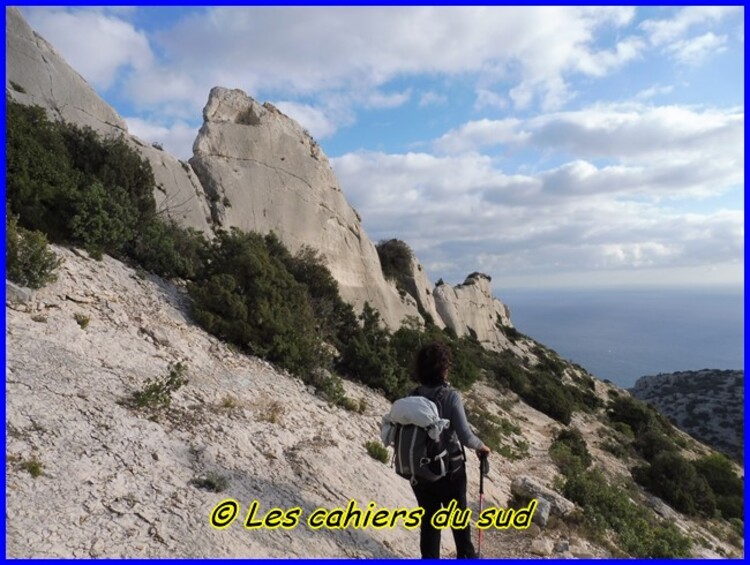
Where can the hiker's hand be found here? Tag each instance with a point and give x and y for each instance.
(483, 451)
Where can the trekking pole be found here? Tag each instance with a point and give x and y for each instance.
(484, 468)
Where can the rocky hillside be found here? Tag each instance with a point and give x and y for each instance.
(118, 480)
(707, 404)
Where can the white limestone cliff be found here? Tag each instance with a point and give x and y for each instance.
(37, 75)
(264, 173)
(470, 308)
(256, 169)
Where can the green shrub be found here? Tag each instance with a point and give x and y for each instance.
(40, 180)
(652, 442)
(350, 404)
(247, 296)
(104, 220)
(569, 451)
(331, 386)
(467, 358)
(376, 450)
(638, 415)
(28, 260)
(727, 487)
(369, 358)
(335, 319)
(73, 185)
(169, 250)
(673, 478)
(112, 162)
(212, 482)
(395, 258)
(583, 399)
(549, 397)
(510, 332)
(549, 362)
(82, 320)
(607, 508)
(496, 432)
(157, 393)
(616, 448)
(33, 467)
(509, 373)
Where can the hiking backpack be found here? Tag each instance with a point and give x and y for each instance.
(424, 453)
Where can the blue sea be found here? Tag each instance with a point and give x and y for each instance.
(621, 335)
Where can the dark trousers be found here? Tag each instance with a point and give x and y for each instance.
(431, 497)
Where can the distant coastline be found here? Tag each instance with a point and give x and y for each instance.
(623, 334)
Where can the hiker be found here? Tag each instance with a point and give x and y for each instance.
(434, 362)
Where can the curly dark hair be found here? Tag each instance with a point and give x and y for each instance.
(433, 362)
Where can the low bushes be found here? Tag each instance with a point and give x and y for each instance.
(608, 507)
(673, 478)
(28, 260)
(377, 451)
(246, 296)
(569, 451)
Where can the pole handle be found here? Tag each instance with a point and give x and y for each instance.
(484, 465)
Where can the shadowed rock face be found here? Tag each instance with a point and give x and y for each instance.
(264, 173)
(38, 75)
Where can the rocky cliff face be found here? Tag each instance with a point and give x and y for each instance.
(470, 309)
(256, 169)
(37, 75)
(264, 173)
(707, 404)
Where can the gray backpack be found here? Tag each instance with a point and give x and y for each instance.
(418, 457)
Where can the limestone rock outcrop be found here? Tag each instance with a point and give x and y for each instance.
(37, 75)
(470, 308)
(263, 172)
(256, 169)
(528, 488)
(420, 287)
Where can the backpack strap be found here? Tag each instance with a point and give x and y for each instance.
(438, 397)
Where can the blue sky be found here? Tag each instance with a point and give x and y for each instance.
(547, 147)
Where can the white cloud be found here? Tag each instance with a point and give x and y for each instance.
(696, 50)
(177, 138)
(599, 205)
(481, 133)
(653, 92)
(432, 98)
(96, 44)
(602, 62)
(668, 30)
(311, 118)
(488, 99)
(460, 212)
(393, 100)
(670, 33)
(631, 133)
(281, 49)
